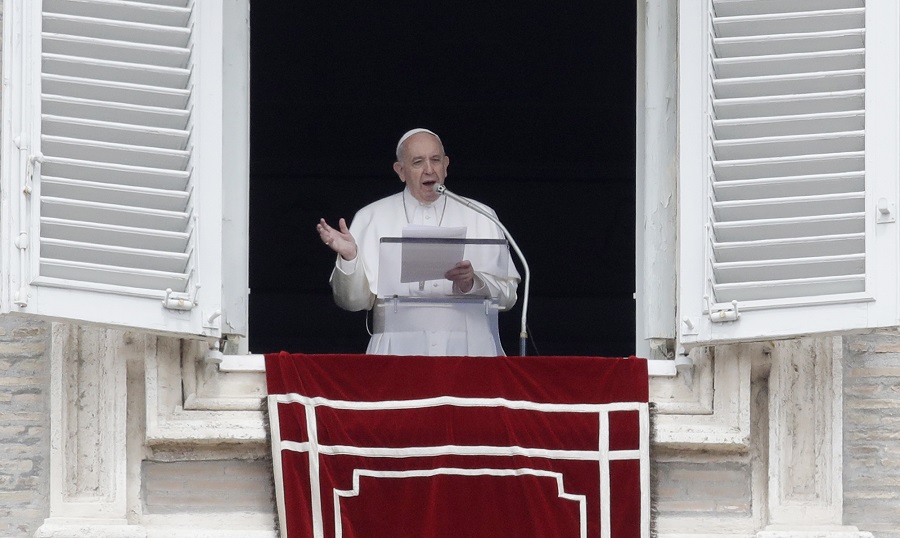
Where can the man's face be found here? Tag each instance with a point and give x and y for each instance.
(422, 165)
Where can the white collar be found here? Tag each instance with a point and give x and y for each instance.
(407, 194)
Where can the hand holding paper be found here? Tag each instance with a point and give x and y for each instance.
(431, 260)
(462, 275)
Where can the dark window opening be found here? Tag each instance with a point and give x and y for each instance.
(536, 108)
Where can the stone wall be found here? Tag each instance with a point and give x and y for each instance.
(872, 433)
(24, 421)
(24, 425)
(721, 490)
(695, 483)
(216, 486)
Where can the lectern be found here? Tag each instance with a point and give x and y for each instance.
(417, 308)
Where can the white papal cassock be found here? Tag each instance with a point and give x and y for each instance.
(355, 282)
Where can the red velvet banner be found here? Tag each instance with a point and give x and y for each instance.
(450, 447)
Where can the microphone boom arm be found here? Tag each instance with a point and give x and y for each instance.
(523, 330)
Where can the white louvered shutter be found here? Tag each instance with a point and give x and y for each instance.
(788, 167)
(113, 207)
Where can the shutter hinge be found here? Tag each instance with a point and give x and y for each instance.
(21, 299)
(34, 163)
(722, 315)
(180, 301)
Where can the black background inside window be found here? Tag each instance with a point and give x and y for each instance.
(535, 104)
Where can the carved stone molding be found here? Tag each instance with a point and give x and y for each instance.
(805, 441)
(87, 436)
(793, 436)
(207, 388)
(188, 403)
(713, 411)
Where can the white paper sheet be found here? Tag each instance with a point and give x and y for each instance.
(423, 261)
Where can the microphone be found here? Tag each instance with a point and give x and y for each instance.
(523, 331)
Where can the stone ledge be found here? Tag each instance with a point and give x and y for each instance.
(162, 532)
(781, 531)
(87, 528)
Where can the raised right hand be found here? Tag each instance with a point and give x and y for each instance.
(339, 240)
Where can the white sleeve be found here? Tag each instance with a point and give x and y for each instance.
(503, 288)
(350, 286)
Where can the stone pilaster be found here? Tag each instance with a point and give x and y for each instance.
(87, 436)
(805, 433)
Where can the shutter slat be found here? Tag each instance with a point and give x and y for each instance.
(789, 22)
(789, 146)
(789, 268)
(785, 105)
(149, 34)
(800, 206)
(786, 187)
(731, 47)
(782, 228)
(111, 275)
(136, 258)
(116, 235)
(786, 289)
(116, 173)
(116, 71)
(105, 131)
(121, 11)
(114, 50)
(789, 166)
(731, 8)
(800, 124)
(177, 3)
(803, 247)
(116, 92)
(115, 214)
(782, 64)
(818, 82)
(91, 109)
(115, 153)
(92, 191)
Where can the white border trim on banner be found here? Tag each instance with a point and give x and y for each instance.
(277, 447)
(603, 456)
(417, 473)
